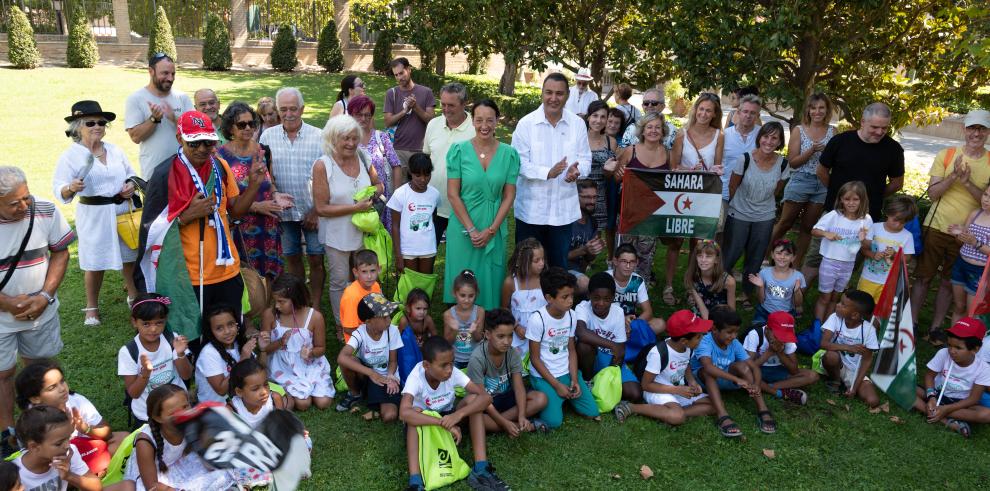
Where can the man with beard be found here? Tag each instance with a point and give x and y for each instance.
(151, 112)
(586, 244)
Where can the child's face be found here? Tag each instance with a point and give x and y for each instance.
(419, 182)
(895, 223)
(850, 203)
(601, 301)
(171, 406)
(377, 325)
(706, 260)
(694, 340)
(563, 301)
(465, 296)
(985, 199)
(283, 304)
(224, 328)
(847, 311)
(538, 262)
(782, 257)
(54, 390)
(417, 310)
(149, 330)
(959, 352)
(366, 275)
(624, 264)
(55, 444)
(255, 391)
(725, 336)
(441, 367)
(500, 338)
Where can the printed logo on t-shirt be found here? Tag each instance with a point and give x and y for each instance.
(421, 216)
(53, 484)
(777, 290)
(375, 358)
(497, 384)
(675, 370)
(161, 374)
(558, 339)
(954, 383)
(439, 401)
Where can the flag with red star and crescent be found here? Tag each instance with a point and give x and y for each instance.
(894, 370)
(661, 203)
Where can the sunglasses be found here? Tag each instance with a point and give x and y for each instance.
(241, 125)
(90, 124)
(196, 144)
(155, 58)
(652, 103)
(359, 86)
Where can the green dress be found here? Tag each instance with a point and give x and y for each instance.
(481, 192)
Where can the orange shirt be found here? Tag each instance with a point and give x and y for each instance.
(189, 233)
(349, 305)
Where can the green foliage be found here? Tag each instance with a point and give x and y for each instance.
(382, 54)
(477, 61)
(81, 51)
(216, 45)
(21, 48)
(185, 17)
(160, 39)
(284, 50)
(328, 54)
(526, 99)
(673, 90)
(307, 16)
(519, 29)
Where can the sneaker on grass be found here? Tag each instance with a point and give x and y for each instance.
(794, 395)
(487, 481)
(348, 401)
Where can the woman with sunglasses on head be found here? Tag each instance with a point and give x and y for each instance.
(97, 173)
(257, 235)
(351, 86)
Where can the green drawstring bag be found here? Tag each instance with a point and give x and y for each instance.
(367, 221)
(341, 384)
(459, 392)
(380, 241)
(607, 388)
(115, 469)
(412, 279)
(439, 462)
(816, 361)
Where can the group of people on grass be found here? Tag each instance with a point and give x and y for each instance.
(519, 337)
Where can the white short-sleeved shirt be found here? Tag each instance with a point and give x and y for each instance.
(961, 379)
(49, 481)
(210, 364)
(846, 248)
(162, 372)
(753, 337)
(865, 334)
(87, 411)
(440, 399)
(984, 353)
(612, 327)
(677, 365)
(161, 144)
(416, 229)
(553, 336)
(372, 353)
(880, 240)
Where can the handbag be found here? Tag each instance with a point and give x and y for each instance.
(129, 225)
(20, 251)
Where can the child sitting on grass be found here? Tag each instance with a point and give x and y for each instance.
(552, 360)
(961, 377)
(365, 270)
(772, 347)
(369, 360)
(49, 461)
(671, 392)
(601, 334)
(431, 386)
(849, 340)
(630, 290)
(497, 367)
(721, 364)
(417, 316)
(779, 287)
(250, 395)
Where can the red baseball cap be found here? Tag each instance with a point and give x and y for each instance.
(684, 322)
(781, 324)
(195, 126)
(968, 327)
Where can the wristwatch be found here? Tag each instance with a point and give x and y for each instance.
(153, 120)
(48, 297)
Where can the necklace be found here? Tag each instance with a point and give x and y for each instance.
(482, 152)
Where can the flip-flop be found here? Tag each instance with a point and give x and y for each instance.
(540, 426)
(730, 430)
(668, 296)
(766, 426)
(961, 427)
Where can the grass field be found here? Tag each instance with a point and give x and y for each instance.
(823, 445)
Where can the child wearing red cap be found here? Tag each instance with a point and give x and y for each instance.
(849, 340)
(956, 380)
(669, 388)
(772, 348)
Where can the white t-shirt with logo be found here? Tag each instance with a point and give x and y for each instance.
(162, 372)
(846, 248)
(49, 480)
(612, 327)
(87, 411)
(865, 334)
(677, 365)
(440, 399)
(961, 379)
(210, 364)
(876, 270)
(374, 354)
(749, 343)
(416, 225)
(553, 336)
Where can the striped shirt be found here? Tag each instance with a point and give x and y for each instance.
(292, 166)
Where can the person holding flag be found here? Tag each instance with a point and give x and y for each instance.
(186, 223)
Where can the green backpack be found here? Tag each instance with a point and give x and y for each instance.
(439, 462)
(115, 470)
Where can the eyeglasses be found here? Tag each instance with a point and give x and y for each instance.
(652, 103)
(359, 86)
(241, 125)
(90, 124)
(207, 143)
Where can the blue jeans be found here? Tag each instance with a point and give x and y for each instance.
(293, 234)
(556, 240)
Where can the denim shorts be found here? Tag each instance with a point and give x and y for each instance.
(774, 374)
(966, 275)
(805, 188)
(292, 240)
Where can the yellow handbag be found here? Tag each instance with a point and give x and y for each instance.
(129, 225)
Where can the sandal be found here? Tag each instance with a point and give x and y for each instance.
(730, 430)
(622, 411)
(540, 426)
(961, 427)
(768, 426)
(92, 321)
(668, 295)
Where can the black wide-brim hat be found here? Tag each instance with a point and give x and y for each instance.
(88, 108)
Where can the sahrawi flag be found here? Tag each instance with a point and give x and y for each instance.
(981, 302)
(670, 204)
(894, 369)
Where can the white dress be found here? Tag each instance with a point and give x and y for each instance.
(523, 303)
(185, 470)
(96, 225)
(689, 156)
(300, 378)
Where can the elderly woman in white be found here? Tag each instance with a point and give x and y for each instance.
(342, 169)
(97, 173)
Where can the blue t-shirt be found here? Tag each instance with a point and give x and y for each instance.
(778, 294)
(721, 358)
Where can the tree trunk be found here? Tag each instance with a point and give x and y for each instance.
(507, 85)
(426, 60)
(441, 63)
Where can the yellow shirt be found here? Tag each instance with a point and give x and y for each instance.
(956, 204)
(436, 142)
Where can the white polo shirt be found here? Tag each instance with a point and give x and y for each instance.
(438, 139)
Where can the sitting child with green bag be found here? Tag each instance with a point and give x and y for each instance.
(430, 387)
(601, 334)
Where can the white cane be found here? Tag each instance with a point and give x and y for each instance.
(945, 382)
(202, 232)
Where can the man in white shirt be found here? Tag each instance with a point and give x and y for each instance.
(553, 153)
(580, 96)
(740, 138)
(455, 126)
(151, 112)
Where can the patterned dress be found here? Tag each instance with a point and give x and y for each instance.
(384, 158)
(288, 368)
(258, 237)
(597, 175)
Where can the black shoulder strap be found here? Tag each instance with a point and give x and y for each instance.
(760, 336)
(544, 326)
(783, 164)
(20, 251)
(664, 354)
(745, 162)
(132, 347)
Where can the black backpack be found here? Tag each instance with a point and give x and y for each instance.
(639, 366)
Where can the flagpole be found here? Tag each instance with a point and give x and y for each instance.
(944, 383)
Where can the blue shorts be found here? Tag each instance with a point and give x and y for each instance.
(966, 275)
(504, 401)
(603, 360)
(293, 235)
(803, 187)
(774, 374)
(985, 399)
(722, 383)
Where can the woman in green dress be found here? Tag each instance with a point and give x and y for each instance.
(481, 186)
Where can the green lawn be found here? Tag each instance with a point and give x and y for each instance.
(818, 446)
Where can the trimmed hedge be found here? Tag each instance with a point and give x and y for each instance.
(160, 40)
(328, 54)
(21, 48)
(526, 100)
(382, 55)
(216, 45)
(81, 51)
(284, 50)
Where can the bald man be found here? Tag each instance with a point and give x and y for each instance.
(207, 102)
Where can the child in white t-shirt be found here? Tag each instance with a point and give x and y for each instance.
(251, 396)
(49, 461)
(956, 380)
(601, 334)
(843, 231)
(882, 242)
(224, 346)
(772, 348)
(413, 207)
(849, 340)
(369, 360)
